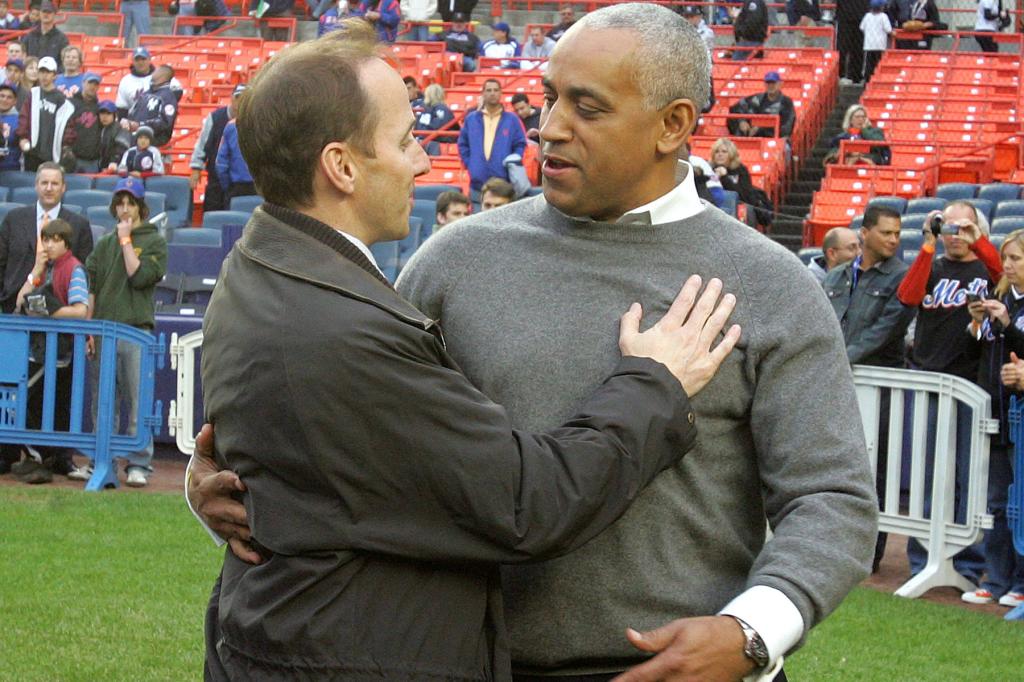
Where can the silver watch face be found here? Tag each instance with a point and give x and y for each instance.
(756, 650)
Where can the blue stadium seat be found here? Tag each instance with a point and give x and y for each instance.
(157, 203)
(100, 215)
(73, 208)
(925, 205)
(199, 260)
(87, 197)
(430, 192)
(75, 181)
(178, 195)
(246, 204)
(105, 182)
(98, 231)
(387, 256)
(425, 210)
(195, 236)
(999, 191)
(5, 192)
(808, 254)
(23, 195)
(983, 206)
(956, 190)
(911, 240)
(913, 221)
(533, 191)
(897, 204)
(1008, 224)
(729, 202)
(217, 219)
(1005, 209)
(13, 178)
(6, 207)
(997, 239)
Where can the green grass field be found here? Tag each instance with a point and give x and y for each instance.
(113, 587)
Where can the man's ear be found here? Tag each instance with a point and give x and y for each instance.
(338, 166)
(678, 119)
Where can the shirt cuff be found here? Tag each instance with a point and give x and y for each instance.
(218, 540)
(773, 616)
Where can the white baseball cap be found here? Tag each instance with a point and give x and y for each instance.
(48, 64)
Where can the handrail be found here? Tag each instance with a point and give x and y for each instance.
(859, 145)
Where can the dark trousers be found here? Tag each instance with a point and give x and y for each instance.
(57, 459)
(240, 189)
(604, 677)
(850, 41)
(213, 198)
(987, 43)
(871, 59)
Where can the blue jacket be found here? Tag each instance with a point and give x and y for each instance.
(390, 15)
(231, 167)
(12, 159)
(510, 138)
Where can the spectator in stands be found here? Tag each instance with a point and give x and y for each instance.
(10, 152)
(272, 9)
(123, 273)
(850, 39)
(840, 245)
(436, 115)
(695, 15)
(114, 140)
(924, 16)
(526, 113)
(15, 50)
(136, 82)
(31, 77)
(46, 40)
(70, 82)
(413, 90)
(938, 288)
(232, 170)
(496, 192)
(419, 11)
(803, 12)
(873, 320)
(30, 19)
(203, 8)
(8, 22)
(488, 135)
(157, 108)
(857, 126)
(450, 8)
(749, 28)
(772, 102)
(734, 176)
(330, 18)
(461, 40)
(87, 125)
(143, 159)
(501, 46)
(709, 187)
(15, 72)
(385, 16)
(21, 249)
(59, 282)
(566, 18)
(450, 207)
(539, 46)
(989, 14)
(204, 155)
(876, 28)
(136, 18)
(46, 130)
(998, 324)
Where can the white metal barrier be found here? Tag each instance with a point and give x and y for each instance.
(180, 423)
(940, 534)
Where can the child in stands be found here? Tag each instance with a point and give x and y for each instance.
(876, 27)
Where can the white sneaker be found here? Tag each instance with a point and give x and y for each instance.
(845, 81)
(1011, 599)
(137, 478)
(978, 596)
(82, 473)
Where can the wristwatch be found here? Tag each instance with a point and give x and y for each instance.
(755, 648)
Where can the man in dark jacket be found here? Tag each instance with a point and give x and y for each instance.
(850, 39)
(204, 155)
(771, 101)
(87, 126)
(441, 486)
(750, 29)
(461, 40)
(157, 108)
(46, 40)
(45, 128)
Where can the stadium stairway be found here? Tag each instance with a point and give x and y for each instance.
(787, 229)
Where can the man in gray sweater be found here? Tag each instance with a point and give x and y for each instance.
(513, 286)
(517, 290)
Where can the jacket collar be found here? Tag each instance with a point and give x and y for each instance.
(301, 247)
(886, 267)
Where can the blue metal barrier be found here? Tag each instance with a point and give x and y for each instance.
(103, 444)
(1015, 502)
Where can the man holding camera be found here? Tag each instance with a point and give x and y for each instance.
(940, 289)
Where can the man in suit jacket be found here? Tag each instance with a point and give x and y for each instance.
(20, 246)
(19, 233)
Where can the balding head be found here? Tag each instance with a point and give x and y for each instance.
(841, 244)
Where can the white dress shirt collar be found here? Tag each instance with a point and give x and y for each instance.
(362, 248)
(679, 203)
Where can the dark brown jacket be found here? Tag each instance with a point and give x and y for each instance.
(383, 488)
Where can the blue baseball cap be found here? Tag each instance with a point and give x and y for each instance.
(108, 106)
(878, 4)
(16, 62)
(502, 26)
(772, 77)
(140, 52)
(92, 78)
(132, 185)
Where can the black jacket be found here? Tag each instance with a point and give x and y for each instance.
(158, 109)
(50, 44)
(18, 248)
(752, 22)
(383, 488)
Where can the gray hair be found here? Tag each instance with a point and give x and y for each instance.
(671, 62)
(433, 95)
(850, 111)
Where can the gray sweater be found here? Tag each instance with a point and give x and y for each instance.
(530, 302)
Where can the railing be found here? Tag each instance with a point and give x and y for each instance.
(20, 370)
